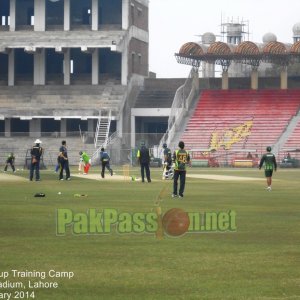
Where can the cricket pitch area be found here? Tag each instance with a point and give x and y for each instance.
(8, 177)
(197, 176)
(257, 259)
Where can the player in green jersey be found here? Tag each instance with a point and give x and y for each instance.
(269, 162)
(180, 158)
(10, 161)
(87, 162)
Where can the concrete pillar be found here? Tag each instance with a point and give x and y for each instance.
(254, 79)
(120, 124)
(7, 127)
(39, 15)
(196, 80)
(43, 67)
(225, 81)
(132, 142)
(125, 14)
(35, 128)
(39, 72)
(67, 15)
(208, 69)
(63, 128)
(95, 66)
(67, 67)
(95, 16)
(12, 15)
(11, 67)
(284, 78)
(124, 66)
(91, 130)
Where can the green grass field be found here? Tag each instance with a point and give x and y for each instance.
(260, 260)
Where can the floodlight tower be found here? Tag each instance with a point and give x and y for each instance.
(234, 32)
(208, 69)
(296, 32)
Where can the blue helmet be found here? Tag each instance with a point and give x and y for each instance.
(164, 145)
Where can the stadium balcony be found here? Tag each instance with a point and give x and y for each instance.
(58, 100)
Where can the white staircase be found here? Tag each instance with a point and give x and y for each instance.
(182, 108)
(110, 140)
(102, 130)
(285, 136)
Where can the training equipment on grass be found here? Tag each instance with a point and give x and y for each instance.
(39, 195)
(80, 195)
(134, 178)
(126, 172)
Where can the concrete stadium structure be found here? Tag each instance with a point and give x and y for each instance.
(70, 66)
(246, 92)
(79, 70)
(62, 62)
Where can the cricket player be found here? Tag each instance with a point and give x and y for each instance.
(104, 158)
(64, 161)
(269, 162)
(36, 153)
(87, 162)
(143, 156)
(80, 164)
(167, 161)
(10, 161)
(180, 158)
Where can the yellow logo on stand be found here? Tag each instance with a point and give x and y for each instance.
(229, 137)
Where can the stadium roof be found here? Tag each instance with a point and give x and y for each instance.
(193, 53)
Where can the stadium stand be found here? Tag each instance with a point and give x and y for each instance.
(43, 98)
(158, 93)
(236, 120)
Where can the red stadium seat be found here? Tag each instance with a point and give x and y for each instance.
(219, 112)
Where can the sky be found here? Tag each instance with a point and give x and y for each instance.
(175, 22)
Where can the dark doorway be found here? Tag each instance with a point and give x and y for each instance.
(19, 127)
(24, 14)
(54, 15)
(23, 67)
(81, 14)
(54, 67)
(3, 69)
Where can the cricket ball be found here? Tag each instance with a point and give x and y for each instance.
(176, 222)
